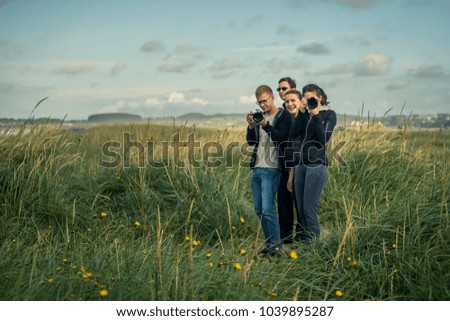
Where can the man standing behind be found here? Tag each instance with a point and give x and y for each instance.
(285, 199)
(267, 135)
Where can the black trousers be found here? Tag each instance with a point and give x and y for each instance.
(285, 207)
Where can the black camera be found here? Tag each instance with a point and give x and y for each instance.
(258, 116)
(312, 103)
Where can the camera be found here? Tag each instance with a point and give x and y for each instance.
(258, 116)
(312, 103)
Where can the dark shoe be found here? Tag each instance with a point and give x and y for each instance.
(264, 252)
(288, 240)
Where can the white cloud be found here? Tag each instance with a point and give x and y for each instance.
(374, 64)
(199, 101)
(150, 102)
(180, 98)
(176, 97)
(245, 100)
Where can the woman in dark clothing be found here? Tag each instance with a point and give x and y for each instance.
(309, 171)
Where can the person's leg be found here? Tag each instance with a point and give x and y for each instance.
(285, 209)
(255, 185)
(315, 180)
(299, 192)
(269, 186)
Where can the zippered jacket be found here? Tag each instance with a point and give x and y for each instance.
(278, 132)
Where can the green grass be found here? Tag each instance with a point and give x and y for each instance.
(384, 217)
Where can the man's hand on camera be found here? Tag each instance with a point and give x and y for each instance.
(263, 122)
(250, 121)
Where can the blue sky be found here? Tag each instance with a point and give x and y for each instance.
(162, 58)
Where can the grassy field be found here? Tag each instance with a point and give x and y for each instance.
(71, 229)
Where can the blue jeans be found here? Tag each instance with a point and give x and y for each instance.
(309, 181)
(264, 186)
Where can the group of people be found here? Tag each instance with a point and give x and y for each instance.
(289, 161)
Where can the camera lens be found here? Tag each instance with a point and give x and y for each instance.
(258, 116)
(312, 103)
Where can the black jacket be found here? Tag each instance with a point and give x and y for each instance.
(278, 133)
(328, 119)
(307, 141)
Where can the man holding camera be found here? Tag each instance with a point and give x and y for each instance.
(266, 134)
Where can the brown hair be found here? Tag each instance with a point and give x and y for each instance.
(263, 89)
(295, 92)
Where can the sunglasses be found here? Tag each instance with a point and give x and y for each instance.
(282, 89)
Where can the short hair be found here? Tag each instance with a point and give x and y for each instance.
(318, 91)
(289, 80)
(263, 89)
(295, 92)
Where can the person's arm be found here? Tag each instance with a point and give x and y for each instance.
(280, 133)
(290, 179)
(329, 123)
(251, 130)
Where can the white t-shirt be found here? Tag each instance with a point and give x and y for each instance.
(267, 153)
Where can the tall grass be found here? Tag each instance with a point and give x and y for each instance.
(70, 227)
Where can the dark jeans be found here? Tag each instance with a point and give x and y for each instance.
(285, 208)
(309, 181)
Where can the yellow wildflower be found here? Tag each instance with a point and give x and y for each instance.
(237, 266)
(394, 245)
(187, 238)
(87, 275)
(103, 293)
(293, 255)
(65, 260)
(211, 264)
(241, 219)
(49, 280)
(273, 293)
(242, 252)
(339, 293)
(196, 243)
(208, 254)
(104, 214)
(137, 224)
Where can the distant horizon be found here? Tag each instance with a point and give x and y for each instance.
(365, 115)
